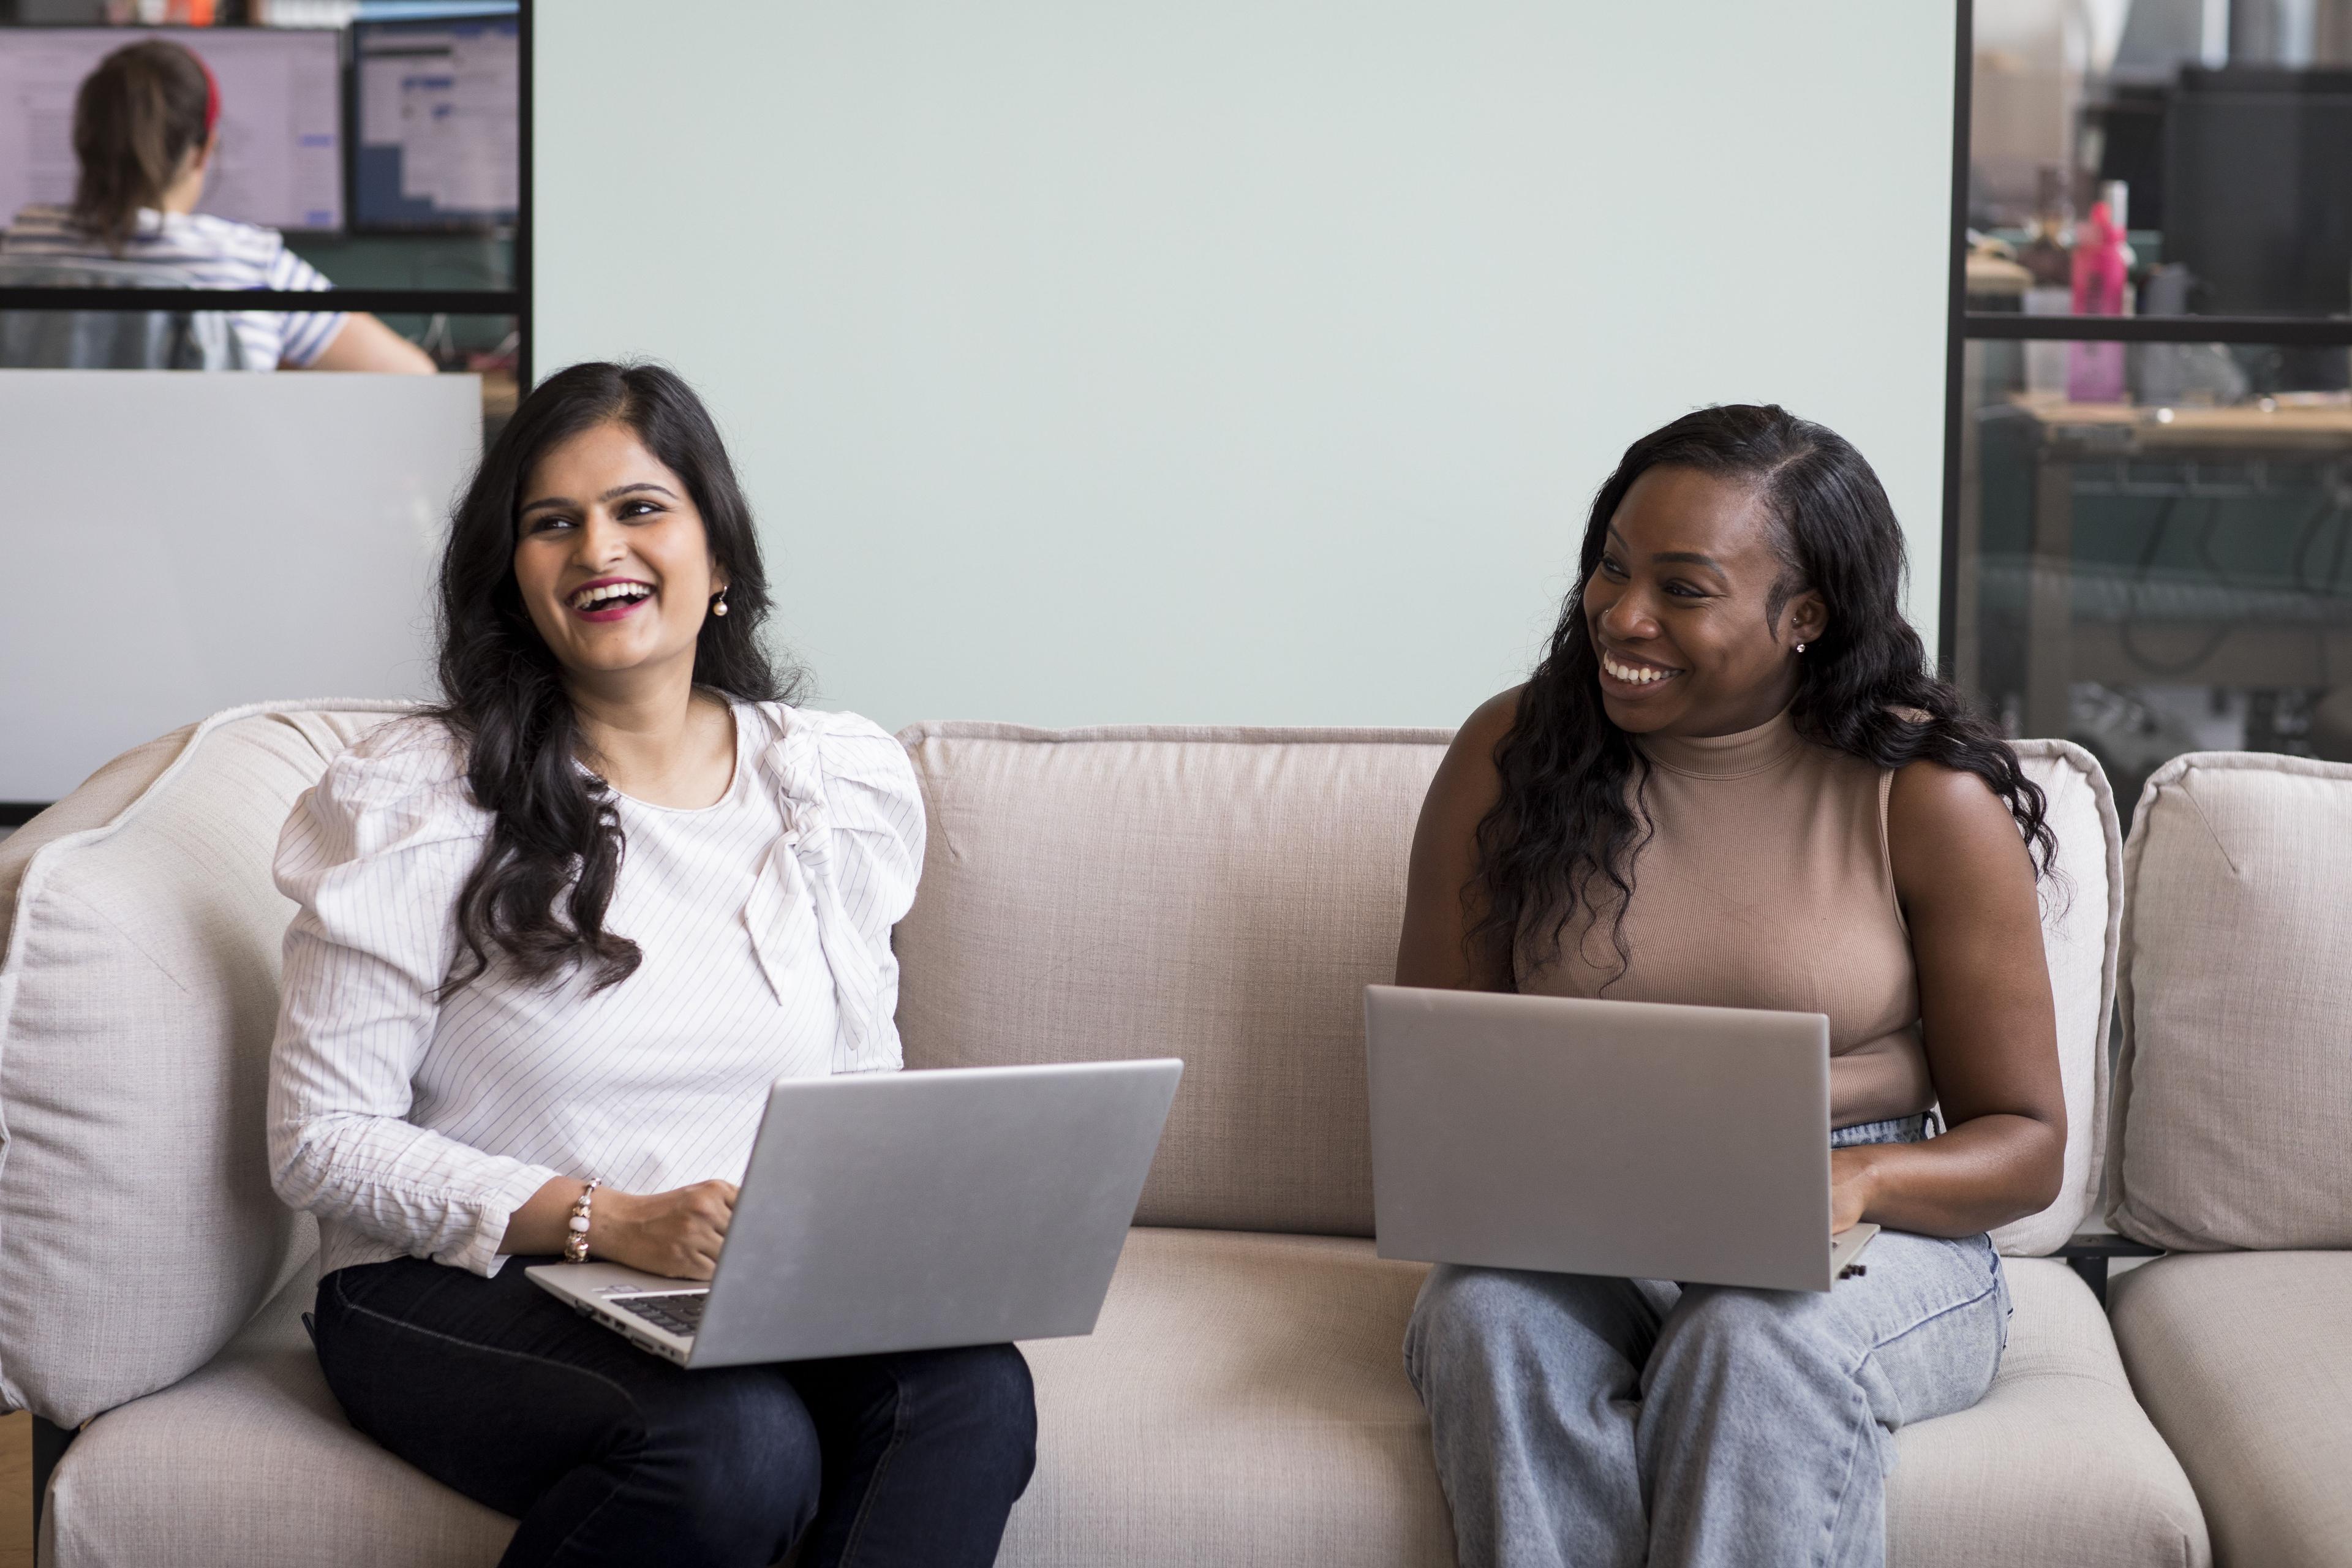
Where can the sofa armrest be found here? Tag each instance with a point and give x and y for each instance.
(2088, 1253)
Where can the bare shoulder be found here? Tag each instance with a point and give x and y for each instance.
(1949, 821)
(1467, 780)
(1930, 795)
(1484, 730)
(1441, 897)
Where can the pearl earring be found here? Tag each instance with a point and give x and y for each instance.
(1800, 647)
(718, 604)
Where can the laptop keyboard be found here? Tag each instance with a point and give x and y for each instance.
(680, 1311)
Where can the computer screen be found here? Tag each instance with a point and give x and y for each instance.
(439, 123)
(281, 154)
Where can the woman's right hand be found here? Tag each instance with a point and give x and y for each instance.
(675, 1234)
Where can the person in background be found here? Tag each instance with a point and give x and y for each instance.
(146, 129)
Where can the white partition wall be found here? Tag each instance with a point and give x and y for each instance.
(196, 542)
(1235, 361)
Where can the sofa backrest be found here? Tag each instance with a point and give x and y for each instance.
(2233, 1095)
(1219, 895)
(1226, 895)
(140, 939)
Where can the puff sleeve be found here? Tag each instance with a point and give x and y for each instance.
(854, 835)
(374, 856)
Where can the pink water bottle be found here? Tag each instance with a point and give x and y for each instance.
(2094, 372)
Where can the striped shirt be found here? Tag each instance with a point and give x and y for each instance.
(416, 1127)
(194, 250)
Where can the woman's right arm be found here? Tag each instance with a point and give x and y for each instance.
(374, 856)
(1441, 900)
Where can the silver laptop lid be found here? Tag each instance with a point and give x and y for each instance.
(1617, 1138)
(907, 1210)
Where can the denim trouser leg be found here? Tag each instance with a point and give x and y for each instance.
(607, 1455)
(1589, 1421)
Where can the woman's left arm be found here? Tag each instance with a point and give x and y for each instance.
(1966, 883)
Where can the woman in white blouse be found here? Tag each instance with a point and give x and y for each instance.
(555, 941)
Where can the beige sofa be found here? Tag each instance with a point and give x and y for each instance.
(2233, 1144)
(1222, 895)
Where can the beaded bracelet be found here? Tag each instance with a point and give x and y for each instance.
(575, 1244)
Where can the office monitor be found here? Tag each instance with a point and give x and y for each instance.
(282, 155)
(439, 124)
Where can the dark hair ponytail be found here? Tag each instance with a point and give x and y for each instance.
(1560, 843)
(555, 837)
(136, 118)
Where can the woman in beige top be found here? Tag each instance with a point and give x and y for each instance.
(1732, 780)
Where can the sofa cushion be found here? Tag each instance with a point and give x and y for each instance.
(2244, 1361)
(138, 993)
(1220, 895)
(2057, 1464)
(250, 1462)
(1243, 1400)
(1226, 895)
(2234, 1087)
(2082, 918)
(1267, 1374)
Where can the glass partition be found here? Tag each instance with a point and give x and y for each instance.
(2151, 527)
(2152, 575)
(2164, 159)
(374, 149)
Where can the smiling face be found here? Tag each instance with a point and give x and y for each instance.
(612, 558)
(1676, 609)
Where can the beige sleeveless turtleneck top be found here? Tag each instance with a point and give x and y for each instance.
(1766, 884)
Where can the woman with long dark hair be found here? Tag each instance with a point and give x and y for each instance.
(1732, 780)
(555, 940)
(146, 136)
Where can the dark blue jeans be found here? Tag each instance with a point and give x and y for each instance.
(608, 1455)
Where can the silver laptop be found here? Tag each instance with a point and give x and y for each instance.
(906, 1211)
(1619, 1138)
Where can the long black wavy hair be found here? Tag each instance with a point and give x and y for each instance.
(1559, 845)
(541, 890)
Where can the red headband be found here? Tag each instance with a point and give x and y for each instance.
(212, 94)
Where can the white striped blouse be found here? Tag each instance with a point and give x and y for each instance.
(195, 250)
(413, 1126)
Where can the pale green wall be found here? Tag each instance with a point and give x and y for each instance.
(1235, 361)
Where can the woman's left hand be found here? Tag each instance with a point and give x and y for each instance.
(1850, 1187)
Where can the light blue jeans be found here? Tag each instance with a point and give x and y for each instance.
(1612, 1423)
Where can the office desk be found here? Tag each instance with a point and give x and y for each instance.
(2263, 649)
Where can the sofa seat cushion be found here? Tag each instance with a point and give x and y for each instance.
(249, 1461)
(1242, 1401)
(2245, 1359)
(2057, 1464)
